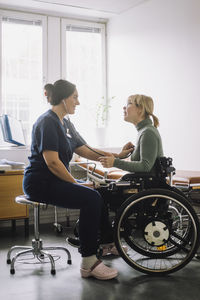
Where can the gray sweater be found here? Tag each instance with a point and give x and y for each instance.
(148, 148)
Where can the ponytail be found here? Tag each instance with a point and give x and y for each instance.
(155, 121)
(48, 88)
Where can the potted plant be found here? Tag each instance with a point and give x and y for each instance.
(102, 114)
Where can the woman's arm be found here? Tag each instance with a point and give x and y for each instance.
(56, 166)
(148, 154)
(94, 154)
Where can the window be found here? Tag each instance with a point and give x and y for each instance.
(84, 65)
(22, 68)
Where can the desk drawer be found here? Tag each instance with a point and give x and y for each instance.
(10, 187)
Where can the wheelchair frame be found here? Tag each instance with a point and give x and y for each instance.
(154, 219)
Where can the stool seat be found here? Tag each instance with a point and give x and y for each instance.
(22, 199)
(37, 248)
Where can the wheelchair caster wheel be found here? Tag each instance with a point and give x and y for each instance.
(53, 272)
(69, 261)
(8, 261)
(12, 271)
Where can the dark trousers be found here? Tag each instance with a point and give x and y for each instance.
(93, 214)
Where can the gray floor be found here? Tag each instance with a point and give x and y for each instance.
(34, 282)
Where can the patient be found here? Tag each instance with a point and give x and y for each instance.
(139, 111)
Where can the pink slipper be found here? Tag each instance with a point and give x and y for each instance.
(111, 249)
(99, 271)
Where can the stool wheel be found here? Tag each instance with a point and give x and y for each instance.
(8, 261)
(69, 261)
(53, 272)
(12, 271)
(58, 228)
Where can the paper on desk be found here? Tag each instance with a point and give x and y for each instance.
(14, 165)
(5, 167)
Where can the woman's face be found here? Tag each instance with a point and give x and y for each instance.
(71, 102)
(132, 113)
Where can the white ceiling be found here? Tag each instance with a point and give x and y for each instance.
(92, 8)
(110, 6)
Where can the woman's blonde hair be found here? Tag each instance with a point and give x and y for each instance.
(146, 104)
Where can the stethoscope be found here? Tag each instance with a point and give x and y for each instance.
(79, 137)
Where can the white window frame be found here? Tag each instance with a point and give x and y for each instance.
(27, 17)
(66, 22)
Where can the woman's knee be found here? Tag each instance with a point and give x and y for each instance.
(95, 200)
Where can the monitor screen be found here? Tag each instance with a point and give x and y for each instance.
(12, 130)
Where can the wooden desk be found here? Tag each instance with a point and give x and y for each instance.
(10, 187)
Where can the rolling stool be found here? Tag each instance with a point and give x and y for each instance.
(37, 248)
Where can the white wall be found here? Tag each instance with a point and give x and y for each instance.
(154, 49)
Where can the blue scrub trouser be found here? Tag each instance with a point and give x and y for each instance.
(74, 196)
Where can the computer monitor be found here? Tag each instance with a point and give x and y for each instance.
(12, 130)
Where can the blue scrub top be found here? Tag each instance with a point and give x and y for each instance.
(49, 134)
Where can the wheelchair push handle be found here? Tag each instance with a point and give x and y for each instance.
(164, 166)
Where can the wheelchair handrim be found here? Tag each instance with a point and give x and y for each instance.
(178, 265)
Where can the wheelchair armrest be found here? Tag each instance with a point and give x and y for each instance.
(132, 176)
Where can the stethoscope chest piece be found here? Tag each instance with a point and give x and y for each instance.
(68, 134)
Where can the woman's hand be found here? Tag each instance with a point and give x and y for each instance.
(89, 184)
(126, 150)
(128, 146)
(107, 161)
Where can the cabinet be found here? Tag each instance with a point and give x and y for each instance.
(10, 187)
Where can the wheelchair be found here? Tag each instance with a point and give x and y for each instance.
(152, 218)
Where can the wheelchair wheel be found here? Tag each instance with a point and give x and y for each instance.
(160, 229)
